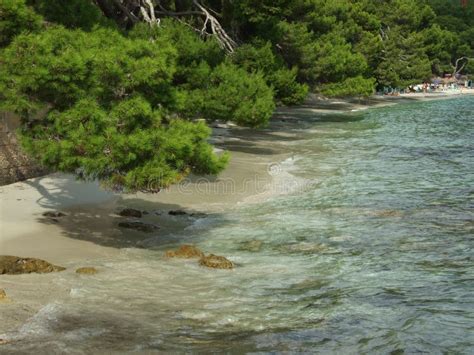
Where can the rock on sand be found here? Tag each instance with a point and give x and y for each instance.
(14, 265)
(87, 271)
(185, 251)
(216, 262)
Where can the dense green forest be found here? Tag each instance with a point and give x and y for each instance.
(114, 89)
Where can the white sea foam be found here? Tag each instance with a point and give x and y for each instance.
(37, 325)
(283, 182)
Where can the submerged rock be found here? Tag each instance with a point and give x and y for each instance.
(251, 245)
(139, 226)
(216, 262)
(4, 298)
(185, 251)
(53, 214)
(177, 213)
(130, 212)
(388, 213)
(304, 247)
(14, 265)
(87, 271)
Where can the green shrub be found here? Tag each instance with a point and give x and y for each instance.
(16, 17)
(287, 90)
(206, 84)
(81, 14)
(356, 86)
(235, 95)
(254, 58)
(107, 100)
(193, 53)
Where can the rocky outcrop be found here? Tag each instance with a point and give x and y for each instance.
(211, 260)
(87, 271)
(186, 252)
(131, 212)
(177, 213)
(15, 165)
(4, 298)
(139, 226)
(216, 262)
(14, 265)
(53, 214)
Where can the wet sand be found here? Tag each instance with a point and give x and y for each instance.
(89, 235)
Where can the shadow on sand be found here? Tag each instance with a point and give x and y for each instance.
(91, 214)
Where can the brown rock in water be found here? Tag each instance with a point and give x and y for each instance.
(139, 226)
(14, 265)
(3, 341)
(87, 271)
(3, 297)
(131, 212)
(185, 251)
(216, 262)
(388, 213)
(251, 245)
(53, 214)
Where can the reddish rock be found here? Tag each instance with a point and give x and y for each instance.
(185, 251)
(216, 262)
(15, 265)
(87, 271)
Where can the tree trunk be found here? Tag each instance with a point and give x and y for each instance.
(107, 8)
(182, 5)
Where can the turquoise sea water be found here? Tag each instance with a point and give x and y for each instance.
(374, 253)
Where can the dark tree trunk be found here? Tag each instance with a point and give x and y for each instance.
(182, 5)
(107, 8)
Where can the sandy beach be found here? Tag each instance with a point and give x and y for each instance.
(89, 230)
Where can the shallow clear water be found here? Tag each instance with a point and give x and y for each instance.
(372, 253)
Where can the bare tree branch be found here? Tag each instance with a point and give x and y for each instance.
(455, 66)
(144, 10)
(129, 14)
(223, 38)
(225, 41)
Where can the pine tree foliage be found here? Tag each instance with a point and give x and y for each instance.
(106, 97)
(121, 90)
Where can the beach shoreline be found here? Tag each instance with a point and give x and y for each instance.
(24, 231)
(89, 232)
